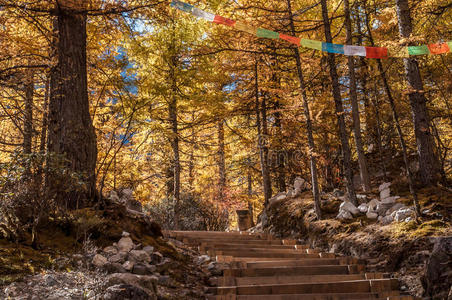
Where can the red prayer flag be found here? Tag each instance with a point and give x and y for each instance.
(376, 52)
(224, 21)
(290, 39)
(439, 48)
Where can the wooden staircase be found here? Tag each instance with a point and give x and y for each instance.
(265, 268)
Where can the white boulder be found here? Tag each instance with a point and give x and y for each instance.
(139, 256)
(403, 213)
(384, 186)
(349, 207)
(372, 215)
(363, 208)
(373, 205)
(344, 215)
(385, 193)
(125, 244)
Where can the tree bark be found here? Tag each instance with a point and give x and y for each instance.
(428, 160)
(311, 143)
(262, 139)
(71, 132)
(28, 112)
(221, 162)
(362, 161)
(339, 108)
(172, 109)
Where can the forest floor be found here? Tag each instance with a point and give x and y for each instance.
(400, 248)
(64, 265)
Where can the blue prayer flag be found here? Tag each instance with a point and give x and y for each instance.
(333, 48)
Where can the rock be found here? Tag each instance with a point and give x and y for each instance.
(349, 207)
(148, 249)
(164, 266)
(281, 196)
(99, 261)
(110, 250)
(338, 193)
(390, 200)
(384, 186)
(114, 197)
(386, 220)
(125, 244)
(125, 234)
(118, 258)
(344, 215)
(126, 291)
(115, 268)
(299, 186)
(382, 208)
(139, 256)
(127, 194)
(363, 208)
(156, 257)
(403, 213)
(50, 280)
(150, 268)
(372, 215)
(437, 279)
(145, 282)
(215, 269)
(202, 259)
(361, 197)
(128, 265)
(394, 208)
(164, 280)
(385, 194)
(409, 219)
(139, 269)
(373, 205)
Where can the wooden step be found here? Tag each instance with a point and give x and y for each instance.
(293, 271)
(357, 286)
(283, 279)
(238, 245)
(263, 253)
(392, 295)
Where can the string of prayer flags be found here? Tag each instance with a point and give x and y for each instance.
(182, 6)
(418, 50)
(354, 50)
(225, 21)
(245, 28)
(376, 52)
(290, 39)
(203, 14)
(439, 48)
(349, 50)
(265, 33)
(333, 48)
(311, 44)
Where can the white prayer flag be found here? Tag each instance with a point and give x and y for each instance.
(354, 50)
(203, 14)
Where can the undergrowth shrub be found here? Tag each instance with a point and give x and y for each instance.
(25, 200)
(195, 213)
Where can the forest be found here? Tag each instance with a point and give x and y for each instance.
(147, 116)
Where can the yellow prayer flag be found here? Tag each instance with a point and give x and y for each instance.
(398, 51)
(239, 25)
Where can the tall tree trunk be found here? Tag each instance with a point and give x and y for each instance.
(362, 161)
(428, 160)
(172, 109)
(262, 140)
(279, 160)
(71, 131)
(191, 163)
(28, 112)
(395, 117)
(311, 144)
(221, 162)
(250, 193)
(339, 108)
(45, 108)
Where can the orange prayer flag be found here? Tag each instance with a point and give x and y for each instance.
(439, 48)
(290, 39)
(376, 52)
(224, 21)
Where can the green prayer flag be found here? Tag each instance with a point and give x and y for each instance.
(265, 33)
(418, 50)
(311, 44)
(450, 45)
